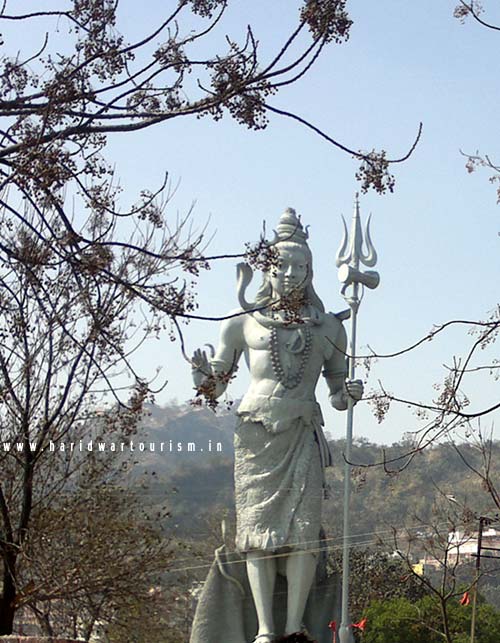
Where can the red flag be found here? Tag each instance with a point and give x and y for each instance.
(465, 600)
(361, 625)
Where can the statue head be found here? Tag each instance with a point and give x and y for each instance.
(294, 271)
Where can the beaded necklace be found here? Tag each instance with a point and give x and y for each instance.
(290, 380)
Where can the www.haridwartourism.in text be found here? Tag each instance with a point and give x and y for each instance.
(119, 447)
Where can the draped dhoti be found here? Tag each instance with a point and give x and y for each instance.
(280, 453)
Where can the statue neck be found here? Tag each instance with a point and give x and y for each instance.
(308, 315)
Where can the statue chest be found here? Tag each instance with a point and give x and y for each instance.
(286, 354)
(260, 338)
(287, 340)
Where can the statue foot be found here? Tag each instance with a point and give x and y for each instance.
(296, 637)
(264, 638)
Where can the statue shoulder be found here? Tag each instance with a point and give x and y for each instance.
(334, 325)
(342, 315)
(336, 341)
(232, 328)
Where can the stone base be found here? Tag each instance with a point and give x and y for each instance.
(226, 612)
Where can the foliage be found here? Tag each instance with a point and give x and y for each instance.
(84, 81)
(394, 620)
(375, 576)
(63, 337)
(478, 11)
(405, 621)
(381, 501)
(90, 555)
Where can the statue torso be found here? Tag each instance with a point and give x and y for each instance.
(286, 361)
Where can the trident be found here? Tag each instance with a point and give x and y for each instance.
(348, 259)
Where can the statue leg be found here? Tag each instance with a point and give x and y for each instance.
(300, 571)
(261, 572)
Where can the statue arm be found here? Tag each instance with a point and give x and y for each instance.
(212, 375)
(335, 370)
(335, 367)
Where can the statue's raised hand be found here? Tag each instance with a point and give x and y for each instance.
(201, 368)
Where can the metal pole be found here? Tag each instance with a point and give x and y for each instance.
(476, 580)
(345, 631)
(349, 257)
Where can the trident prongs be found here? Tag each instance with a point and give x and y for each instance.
(351, 251)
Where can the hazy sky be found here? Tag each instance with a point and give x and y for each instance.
(436, 236)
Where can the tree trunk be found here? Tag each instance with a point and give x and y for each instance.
(8, 596)
(446, 624)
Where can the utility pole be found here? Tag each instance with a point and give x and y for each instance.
(482, 521)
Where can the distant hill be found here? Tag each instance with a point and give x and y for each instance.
(181, 428)
(194, 485)
(190, 483)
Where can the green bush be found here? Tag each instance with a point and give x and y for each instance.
(402, 621)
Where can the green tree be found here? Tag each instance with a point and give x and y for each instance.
(376, 576)
(405, 621)
(394, 620)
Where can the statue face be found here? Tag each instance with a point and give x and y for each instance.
(291, 273)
